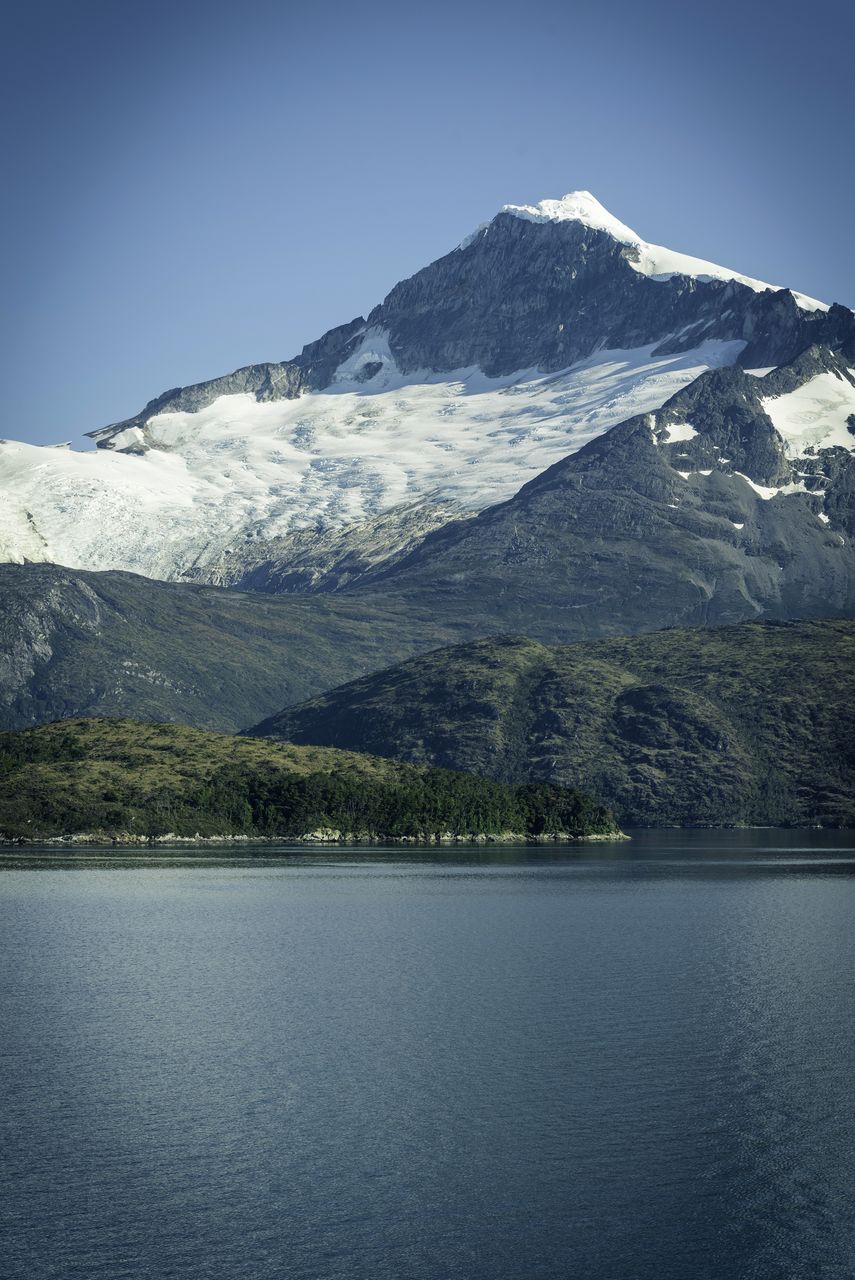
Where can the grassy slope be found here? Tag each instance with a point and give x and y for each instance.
(121, 776)
(752, 723)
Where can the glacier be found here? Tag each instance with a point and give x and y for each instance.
(190, 489)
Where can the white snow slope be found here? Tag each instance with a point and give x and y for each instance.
(815, 415)
(217, 482)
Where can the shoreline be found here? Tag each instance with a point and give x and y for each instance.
(329, 837)
(313, 839)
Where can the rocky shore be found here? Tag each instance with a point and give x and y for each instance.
(321, 836)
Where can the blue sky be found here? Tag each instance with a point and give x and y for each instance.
(190, 187)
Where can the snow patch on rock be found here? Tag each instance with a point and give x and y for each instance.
(371, 364)
(678, 432)
(815, 415)
(766, 492)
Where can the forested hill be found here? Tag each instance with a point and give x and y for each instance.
(119, 779)
(748, 724)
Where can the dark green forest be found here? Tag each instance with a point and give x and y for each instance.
(120, 779)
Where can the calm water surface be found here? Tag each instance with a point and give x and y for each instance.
(626, 1063)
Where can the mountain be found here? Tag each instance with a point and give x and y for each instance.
(745, 724)
(116, 779)
(543, 330)
(557, 430)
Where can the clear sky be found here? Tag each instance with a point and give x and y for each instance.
(188, 187)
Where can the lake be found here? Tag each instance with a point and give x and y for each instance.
(600, 1062)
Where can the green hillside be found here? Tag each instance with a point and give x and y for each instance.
(115, 644)
(122, 779)
(747, 724)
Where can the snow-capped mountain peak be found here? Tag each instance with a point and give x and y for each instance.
(474, 375)
(576, 206)
(653, 260)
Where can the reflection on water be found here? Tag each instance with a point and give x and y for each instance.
(627, 1062)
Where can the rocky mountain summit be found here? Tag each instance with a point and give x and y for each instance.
(541, 286)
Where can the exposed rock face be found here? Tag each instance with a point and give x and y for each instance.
(264, 381)
(525, 294)
(775, 332)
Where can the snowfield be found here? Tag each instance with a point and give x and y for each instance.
(815, 415)
(191, 488)
(679, 431)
